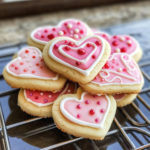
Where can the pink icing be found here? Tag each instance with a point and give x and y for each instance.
(77, 30)
(86, 46)
(119, 96)
(119, 69)
(49, 97)
(124, 43)
(92, 112)
(30, 63)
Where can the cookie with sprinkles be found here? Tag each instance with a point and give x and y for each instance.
(119, 75)
(28, 71)
(38, 103)
(72, 28)
(79, 61)
(84, 115)
(123, 44)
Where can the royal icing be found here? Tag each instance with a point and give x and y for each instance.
(88, 111)
(120, 43)
(41, 99)
(80, 55)
(30, 64)
(72, 28)
(120, 69)
(119, 97)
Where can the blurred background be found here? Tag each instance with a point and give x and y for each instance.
(19, 17)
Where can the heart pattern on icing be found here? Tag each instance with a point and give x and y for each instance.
(72, 28)
(120, 69)
(120, 43)
(88, 111)
(80, 55)
(30, 64)
(41, 99)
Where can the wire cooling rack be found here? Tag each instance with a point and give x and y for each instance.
(130, 128)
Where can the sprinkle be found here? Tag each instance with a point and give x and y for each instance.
(102, 111)
(28, 60)
(123, 49)
(33, 71)
(21, 63)
(81, 51)
(33, 56)
(49, 96)
(98, 43)
(25, 70)
(78, 63)
(87, 102)
(50, 36)
(78, 116)
(88, 44)
(76, 30)
(31, 94)
(56, 46)
(69, 25)
(75, 36)
(93, 56)
(30, 65)
(36, 97)
(78, 106)
(117, 50)
(26, 56)
(122, 39)
(69, 90)
(41, 93)
(115, 43)
(45, 100)
(92, 112)
(119, 69)
(26, 51)
(98, 102)
(12, 65)
(60, 33)
(96, 120)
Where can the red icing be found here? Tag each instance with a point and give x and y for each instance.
(49, 97)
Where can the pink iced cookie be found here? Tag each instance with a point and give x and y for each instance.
(40, 98)
(84, 115)
(72, 28)
(30, 64)
(119, 97)
(80, 59)
(121, 43)
(89, 111)
(28, 71)
(120, 74)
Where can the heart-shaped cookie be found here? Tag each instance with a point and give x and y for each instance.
(122, 44)
(120, 74)
(72, 28)
(124, 99)
(38, 103)
(82, 57)
(84, 115)
(29, 66)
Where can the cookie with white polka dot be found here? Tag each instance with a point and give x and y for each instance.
(123, 44)
(38, 103)
(28, 71)
(79, 61)
(84, 115)
(124, 99)
(119, 75)
(72, 28)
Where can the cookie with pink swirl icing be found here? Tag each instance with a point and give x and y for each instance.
(84, 115)
(124, 99)
(29, 71)
(119, 75)
(38, 103)
(79, 61)
(72, 28)
(123, 44)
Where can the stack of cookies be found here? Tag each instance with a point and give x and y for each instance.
(61, 56)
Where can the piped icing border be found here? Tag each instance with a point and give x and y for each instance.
(129, 70)
(28, 75)
(59, 25)
(77, 121)
(77, 43)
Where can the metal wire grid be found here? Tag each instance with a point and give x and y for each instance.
(121, 129)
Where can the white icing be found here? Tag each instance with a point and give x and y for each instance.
(28, 75)
(77, 121)
(77, 43)
(59, 25)
(129, 69)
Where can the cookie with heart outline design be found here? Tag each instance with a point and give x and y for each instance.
(124, 99)
(38, 103)
(28, 71)
(84, 115)
(122, 44)
(79, 61)
(120, 74)
(72, 28)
